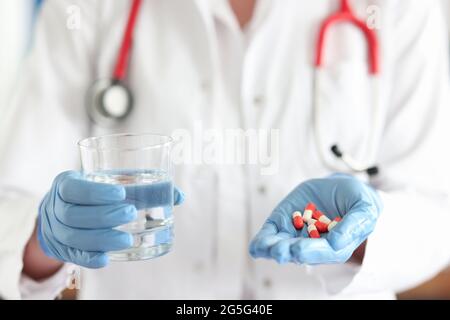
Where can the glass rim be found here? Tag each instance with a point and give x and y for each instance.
(83, 143)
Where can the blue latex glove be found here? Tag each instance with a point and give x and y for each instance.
(336, 195)
(77, 217)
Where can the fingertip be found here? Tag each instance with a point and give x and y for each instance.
(337, 240)
(131, 213)
(252, 248)
(129, 240)
(103, 193)
(123, 214)
(282, 260)
(114, 192)
(297, 253)
(122, 240)
(261, 247)
(98, 261)
(280, 252)
(257, 252)
(312, 251)
(179, 196)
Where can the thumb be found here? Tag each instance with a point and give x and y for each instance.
(178, 196)
(357, 224)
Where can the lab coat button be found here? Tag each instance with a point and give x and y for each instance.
(258, 100)
(267, 283)
(262, 189)
(199, 266)
(205, 85)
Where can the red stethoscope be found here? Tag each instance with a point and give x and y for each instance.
(110, 101)
(345, 14)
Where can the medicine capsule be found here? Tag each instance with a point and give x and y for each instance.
(334, 223)
(318, 215)
(321, 226)
(312, 231)
(309, 210)
(297, 220)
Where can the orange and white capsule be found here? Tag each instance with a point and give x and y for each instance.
(312, 231)
(319, 216)
(297, 220)
(334, 223)
(309, 210)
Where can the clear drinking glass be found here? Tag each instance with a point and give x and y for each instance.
(141, 163)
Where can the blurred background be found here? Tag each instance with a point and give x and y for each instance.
(17, 19)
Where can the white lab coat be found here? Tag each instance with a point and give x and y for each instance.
(187, 68)
(15, 19)
(14, 23)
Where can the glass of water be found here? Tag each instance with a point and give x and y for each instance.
(142, 164)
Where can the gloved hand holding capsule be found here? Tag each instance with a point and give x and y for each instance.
(314, 238)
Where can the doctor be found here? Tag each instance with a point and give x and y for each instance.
(240, 64)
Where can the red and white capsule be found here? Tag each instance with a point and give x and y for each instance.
(334, 223)
(297, 220)
(321, 226)
(309, 210)
(319, 216)
(312, 231)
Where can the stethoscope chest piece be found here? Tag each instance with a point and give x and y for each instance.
(109, 102)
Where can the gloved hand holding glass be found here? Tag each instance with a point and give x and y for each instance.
(337, 195)
(121, 204)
